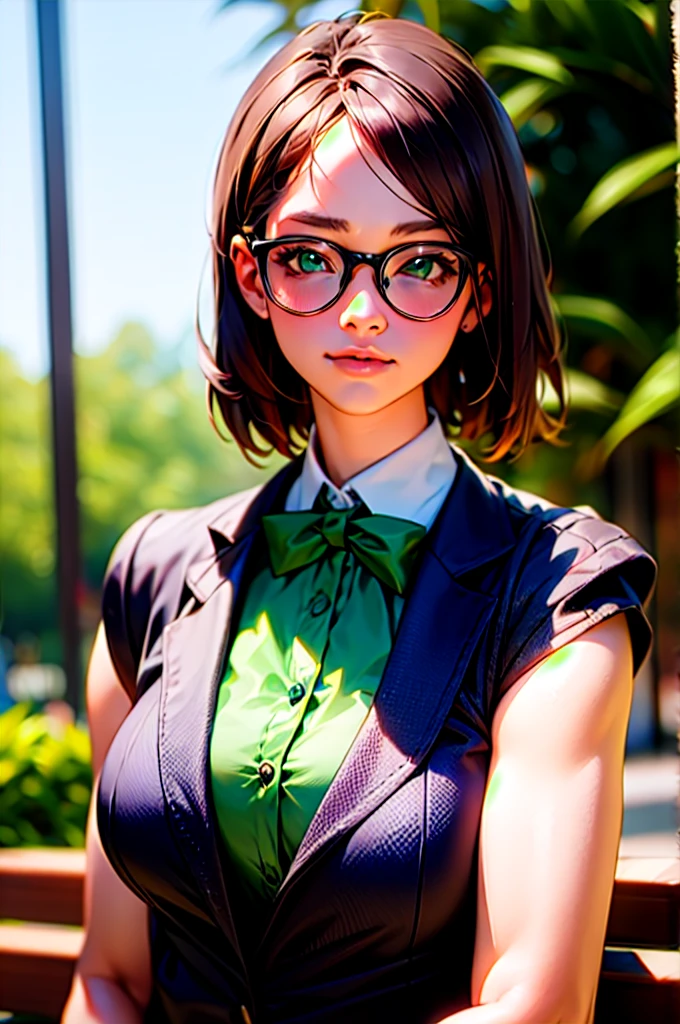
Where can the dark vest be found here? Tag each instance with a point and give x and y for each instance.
(375, 920)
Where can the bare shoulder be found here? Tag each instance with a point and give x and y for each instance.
(576, 693)
(107, 702)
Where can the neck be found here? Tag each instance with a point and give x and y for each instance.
(349, 442)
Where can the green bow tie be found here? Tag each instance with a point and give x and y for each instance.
(384, 544)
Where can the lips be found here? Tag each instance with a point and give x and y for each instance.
(360, 362)
(362, 355)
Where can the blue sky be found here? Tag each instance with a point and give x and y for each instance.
(151, 86)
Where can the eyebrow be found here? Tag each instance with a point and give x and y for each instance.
(317, 220)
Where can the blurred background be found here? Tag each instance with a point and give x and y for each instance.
(102, 246)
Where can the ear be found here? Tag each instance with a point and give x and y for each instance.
(248, 276)
(471, 317)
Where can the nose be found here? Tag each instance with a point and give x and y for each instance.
(362, 315)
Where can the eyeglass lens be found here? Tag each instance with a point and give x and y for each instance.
(419, 281)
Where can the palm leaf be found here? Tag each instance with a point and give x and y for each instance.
(524, 58)
(524, 99)
(572, 15)
(601, 64)
(584, 394)
(430, 9)
(623, 182)
(645, 12)
(655, 394)
(602, 318)
(391, 7)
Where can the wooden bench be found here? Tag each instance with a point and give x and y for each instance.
(42, 890)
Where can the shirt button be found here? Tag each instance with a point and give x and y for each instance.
(266, 771)
(296, 693)
(320, 604)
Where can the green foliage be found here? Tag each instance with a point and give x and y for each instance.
(524, 99)
(524, 58)
(430, 12)
(589, 89)
(586, 393)
(45, 780)
(602, 319)
(658, 392)
(26, 508)
(144, 442)
(637, 176)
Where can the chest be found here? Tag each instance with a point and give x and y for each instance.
(397, 864)
(387, 864)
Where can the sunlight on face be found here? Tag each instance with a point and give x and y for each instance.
(333, 140)
(338, 197)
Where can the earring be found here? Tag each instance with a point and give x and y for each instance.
(461, 377)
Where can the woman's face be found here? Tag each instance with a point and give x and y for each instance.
(337, 197)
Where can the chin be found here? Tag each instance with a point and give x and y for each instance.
(356, 399)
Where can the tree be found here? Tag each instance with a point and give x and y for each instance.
(144, 442)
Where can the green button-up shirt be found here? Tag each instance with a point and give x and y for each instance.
(303, 670)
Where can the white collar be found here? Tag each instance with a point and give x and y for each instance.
(411, 483)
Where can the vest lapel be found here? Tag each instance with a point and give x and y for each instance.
(193, 653)
(194, 647)
(440, 627)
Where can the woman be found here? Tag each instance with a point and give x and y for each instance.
(365, 725)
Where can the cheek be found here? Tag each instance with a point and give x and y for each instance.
(301, 339)
(430, 343)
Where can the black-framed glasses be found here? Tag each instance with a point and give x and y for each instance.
(305, 275)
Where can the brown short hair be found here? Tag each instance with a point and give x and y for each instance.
(420, 104)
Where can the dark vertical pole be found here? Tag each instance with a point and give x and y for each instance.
(59, 314)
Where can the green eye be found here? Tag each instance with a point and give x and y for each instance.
(421, 268)
(311, 261)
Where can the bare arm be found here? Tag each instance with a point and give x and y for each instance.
(112, 981)
(550, 831)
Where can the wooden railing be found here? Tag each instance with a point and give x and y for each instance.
(41, 891)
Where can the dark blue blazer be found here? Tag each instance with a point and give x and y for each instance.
(375, 920)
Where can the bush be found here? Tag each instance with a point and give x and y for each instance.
(45, 779)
